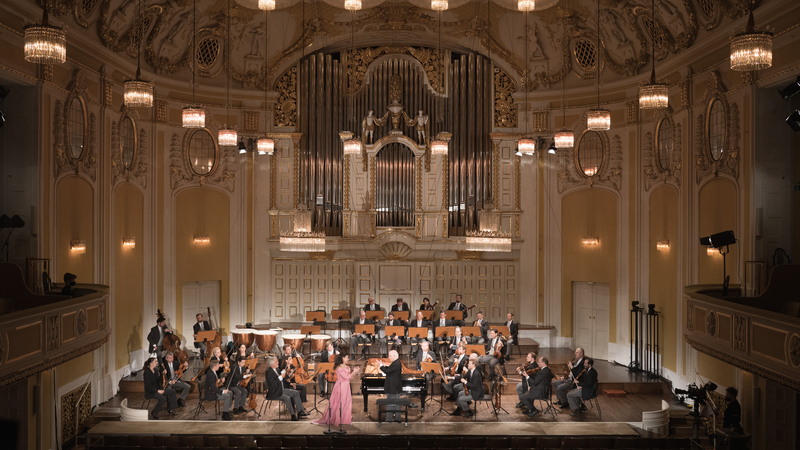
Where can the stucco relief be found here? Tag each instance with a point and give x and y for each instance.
(137, 172)
(653, 174)
(728, 163)
(63, 159)
(610, 173)
(180, 174)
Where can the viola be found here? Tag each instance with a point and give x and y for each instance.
(331, 375)
(453, 369)
(530, 372)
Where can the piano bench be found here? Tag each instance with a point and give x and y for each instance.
(384, 403)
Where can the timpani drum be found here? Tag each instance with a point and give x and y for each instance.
(265, 339)
(319, 341)
(242, 336)
(294, 339)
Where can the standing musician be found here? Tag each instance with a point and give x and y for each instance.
(473, 389)
(153, 389)
(362, 338)
(238, 374)
(290, 357)
(325, 357)
(398, 340)
(537, 386)
(441, 322)
(371, 305)
(587, 385)
(426, 304)
(458, 306)
(564, 385)
(455, 341)
(201, 325)
(454, 371)
(529, 366)
(513, 328)
(173, 381)
(400, 305)
(490, 357)
(214, 392)
(276, 390)
(156, 338)
(484, 326)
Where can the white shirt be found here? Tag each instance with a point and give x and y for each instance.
(201, 327)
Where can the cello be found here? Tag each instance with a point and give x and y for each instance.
(172, 343)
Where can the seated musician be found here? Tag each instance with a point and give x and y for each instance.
(201, 325)
(564, 385)
(458, 306)
(537, 386)
(362, 338)
(224, 366)
(587, 385)
(371, 305)
(453, 375)
(174, 382)
(400, 305)
(290, 357)
(441, 322)
(241, 353)
(152, 389)
(238, 374)
(530, 365)
(214, 392)
(513, 328)
(419, 322)
(483, 324)
(277, 390)
(473, 382)
(426, 304)
(328, 355)
(454, 341)
(494, 342)
(396, 340)
(424, 355)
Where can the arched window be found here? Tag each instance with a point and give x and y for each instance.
(664, 143)
(202, 152)
(590, 155)
(716, 129)
(127, 142)
(76, 127)
(394, 176)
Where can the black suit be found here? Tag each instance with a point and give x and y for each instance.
(177, 384)
(513, 328)
(403, 307)
(561, 387)
(392, 387)
(287, 384)
(201, 345)
(384, 341)
(152, 384)
(537, 387)
(216, 393)
(588, 386)
(361, 338)
(277, 391)
(733, 415)
(455, 383)
(153, 337)
(522, 387)
(458, 307)
(423, 335)
(484, 326)
(239, 392)
(373, 307)
(475, 386)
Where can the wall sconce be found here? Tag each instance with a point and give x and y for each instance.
(201, 239)
(662, 245)
(712, 251)
(78, 247)
(128, 242)
(591, 240)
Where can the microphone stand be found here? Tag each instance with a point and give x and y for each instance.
(341, 431)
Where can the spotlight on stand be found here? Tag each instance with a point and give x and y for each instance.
(242, 148)
(552, 149)
(790, 90)
(794, 120)
(718, 241)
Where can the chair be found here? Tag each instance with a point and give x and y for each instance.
(267, 403)
(593, 398)
(778, 257)
(293, 442)
(451, 442)
(791, 309)
(548, 442)
(487, 398)
(359, 345)
(498, 442)
(242, 441)
(188, 440)
(548, 400)
(213, 440)
(202, 387)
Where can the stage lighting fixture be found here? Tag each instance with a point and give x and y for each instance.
(791, 89)
(242, 148)
(4, 92)
(2, 119)
(723, 239)
(794, 120)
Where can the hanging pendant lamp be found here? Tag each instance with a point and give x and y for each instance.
(653, 95)
(526, 5)
(138, 93)
(228, 136)
(439, 146)
(350, 143)
(44, 43)
(194, 116)
(564, 137)
(265, 145)
(598, 119)
(526, 145)
(266, 5)
(439, 5)
(751, 49)
(352, 5)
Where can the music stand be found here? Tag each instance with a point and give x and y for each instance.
(398, 330)
(426, 314)
(401, 315)
(205, 337)
(479, 349)
(309, 329)
(322, 369)
(368, 329)
(340, 315)
(503, 329)
(431, 368)
(374, 315)
(317, 317)
(455, 316)
(471, 332)
(443, 332)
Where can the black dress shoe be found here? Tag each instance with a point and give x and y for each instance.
(240, 410)
(227, 416)
(533, 413)
(457, 412)
(172, 412)
(181, 403)
(520, 405)
(565, 406)
(576, 413)
(295, 419)
(583, 407)
(154, 416)
(413, 405)
(302, 414)
(468, 414)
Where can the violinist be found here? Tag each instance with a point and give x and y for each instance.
(290, 357)
(397, 340)
(214, 392)
(456, 341)
(424, 355)
(565, 384)
(495, 346)
(529, 366)
(238, 374)
(513, 328)
(224, 366)
(153, 388)
(454, 371)
(362, 338)
(326, 356)
(400, 305)
(426, 304)
(201, 325)
(473, 389)
(537, 386)
(174, 370)
(241, 353)
(156, 338)
(441, 322)
(587, 385)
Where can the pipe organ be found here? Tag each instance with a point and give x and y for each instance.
(395, 186)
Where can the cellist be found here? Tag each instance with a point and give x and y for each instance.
(328, 355)
(291, 357)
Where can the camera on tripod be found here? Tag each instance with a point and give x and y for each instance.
(697, 393)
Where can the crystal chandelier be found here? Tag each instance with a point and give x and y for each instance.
(352, 5)
(266, 5)
(489, 238)
(129, 242)
(526, 146)
(193, 116)
(439, 5)
(598, 119)
(653, 95)
(526, 5)
(352, 146)
(751, 49)
(266, 146)
(45, 44)
(564, 138)
(138, 93)
(590, 240)
(438, 147)
(227, 136)
(302, 239)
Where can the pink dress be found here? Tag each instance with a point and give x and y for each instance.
(340, 400)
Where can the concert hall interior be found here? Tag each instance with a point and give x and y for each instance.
(553, 186)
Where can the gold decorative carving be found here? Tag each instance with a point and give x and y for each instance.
(686, 93)
(53, 333)
(346, 182)
(108, 93)
(273, 190)
(419, 184)
(419, 226)
(137, 172)
(286, 108)
(609, 174)
(68, 402)
(161, 111)
(359, 61)
(444, 226)
(372, 190)
(373, 224)
(296, 172)
(63, 159)
(395, 250)
(395, 88)
(540, 120)
(632, 109)
(251, 119)
(273, 226)
(516, 226)
(445, 180)
(346, 226)
(505, 111)
(468, 255)
(495, 172)
(517, 181)
(326, 255)
(47, 73)
(223, 174)
(740, 333)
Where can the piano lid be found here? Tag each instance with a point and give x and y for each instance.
(372, 367)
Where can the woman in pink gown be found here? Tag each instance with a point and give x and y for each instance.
(340, 405)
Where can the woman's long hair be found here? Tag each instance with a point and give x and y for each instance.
(147, 363)
(338, 361)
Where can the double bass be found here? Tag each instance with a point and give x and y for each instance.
(172, 343)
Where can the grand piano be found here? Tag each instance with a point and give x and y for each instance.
(372, 381)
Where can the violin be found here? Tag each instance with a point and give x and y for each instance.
(579, 376)
(498, 353)
(530, 372)
(453, 369)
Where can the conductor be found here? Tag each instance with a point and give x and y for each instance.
(393, 384)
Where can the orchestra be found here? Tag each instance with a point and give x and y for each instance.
(230, 378)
